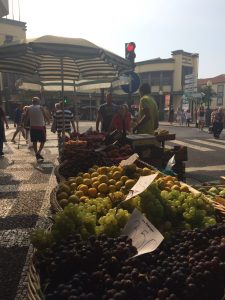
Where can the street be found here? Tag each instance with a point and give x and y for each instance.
(25, 188)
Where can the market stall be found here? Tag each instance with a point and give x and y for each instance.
(128, 231)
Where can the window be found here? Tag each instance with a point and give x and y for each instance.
(8, 39)
(155, 78)
(219, 101)
(144, 77)
(167, 78)
(220, 93)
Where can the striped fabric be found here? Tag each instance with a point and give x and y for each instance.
(50, 57)
(68, 118)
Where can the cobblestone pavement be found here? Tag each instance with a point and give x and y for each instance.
(25, 187)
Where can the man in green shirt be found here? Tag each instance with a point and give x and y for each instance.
(148, 111)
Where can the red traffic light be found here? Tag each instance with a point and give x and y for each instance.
(131, 46)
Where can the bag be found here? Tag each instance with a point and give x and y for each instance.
(54, 126)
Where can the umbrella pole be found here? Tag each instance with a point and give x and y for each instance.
(61, 150)
(76, 109)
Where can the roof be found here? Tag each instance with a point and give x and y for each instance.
(214, 80)
(155, 61)
(184, 53)
(13, 22)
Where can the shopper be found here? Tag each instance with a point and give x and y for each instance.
(217, 118)
(3, 120)
(188, 118)
(171, 116)
(37, 118)
(25, 123)
(105, 114)
(148, 112)
(18, 123)
(58, 120)
(122, 120)
(201, 117)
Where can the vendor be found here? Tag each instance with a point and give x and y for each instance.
(105, 114)
(148, 112)
(122, 120)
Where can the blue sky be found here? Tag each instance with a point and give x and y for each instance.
(156, 26)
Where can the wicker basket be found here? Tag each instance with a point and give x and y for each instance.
(34, 286)
(55, 207)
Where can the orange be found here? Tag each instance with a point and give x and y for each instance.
(86, 175)
(83, 188)
(92, 192)
(95, 184)
(119, 184)
(87, 181)
(79, 194)
(103, 188)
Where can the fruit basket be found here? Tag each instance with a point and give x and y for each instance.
(189, 258)
(34, 286)
(55, 207)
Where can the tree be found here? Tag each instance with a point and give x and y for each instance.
(207, 94)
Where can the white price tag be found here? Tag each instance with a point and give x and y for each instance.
(129, 161)
(145, 237)
(141, 185)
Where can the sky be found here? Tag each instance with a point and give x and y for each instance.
(156, 26)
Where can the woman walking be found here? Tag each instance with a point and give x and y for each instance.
(2, 129)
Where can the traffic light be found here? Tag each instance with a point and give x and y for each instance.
(129, 51)
(65, 100)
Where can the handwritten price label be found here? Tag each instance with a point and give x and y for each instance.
(130, 160)
(145, 237)
(141, 185)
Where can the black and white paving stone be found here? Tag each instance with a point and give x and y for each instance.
(25, 188)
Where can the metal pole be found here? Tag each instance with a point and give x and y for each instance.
(75, 104)
(63, 114)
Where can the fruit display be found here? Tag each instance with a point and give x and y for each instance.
(80, 160)
(189, 266)
(161, 132)
(113, 181)
(213, 190)
(167, 203)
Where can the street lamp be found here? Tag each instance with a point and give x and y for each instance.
(208, 95)
(161, 106)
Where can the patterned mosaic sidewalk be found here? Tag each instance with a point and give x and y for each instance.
(25, 188)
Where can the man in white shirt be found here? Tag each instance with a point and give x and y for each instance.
(37, 117)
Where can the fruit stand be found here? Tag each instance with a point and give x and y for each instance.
(87, 253)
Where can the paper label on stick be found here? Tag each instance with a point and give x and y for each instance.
(141, 185)
(129, 161)
(145, 237)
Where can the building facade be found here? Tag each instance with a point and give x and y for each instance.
(166, 77)
(218, 87)
(10, 31)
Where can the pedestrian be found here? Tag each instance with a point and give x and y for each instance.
(201, 117)
(18, 122)
(122, 120)
(171, 115)
(25, 123)
(183, 118)
(58, 120)
(178, 116)
(37, 118)
(105, 114)
(188, 118)
(217, 118)
(148, 119)
(3, 120)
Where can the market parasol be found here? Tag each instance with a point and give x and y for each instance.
(54, 58)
